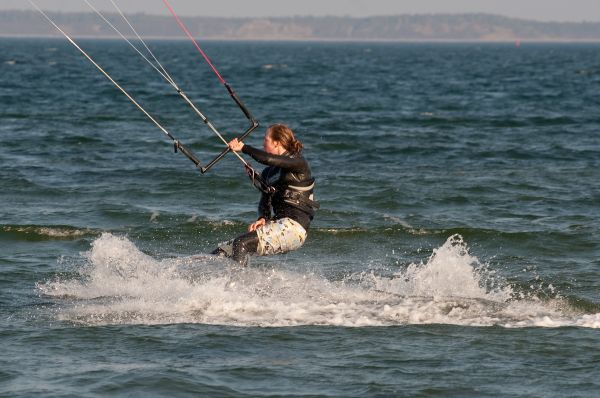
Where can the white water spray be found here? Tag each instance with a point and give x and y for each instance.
(122, 285)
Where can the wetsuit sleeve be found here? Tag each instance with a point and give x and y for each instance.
(297, 164)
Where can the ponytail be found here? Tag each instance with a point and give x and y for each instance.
(285, 136)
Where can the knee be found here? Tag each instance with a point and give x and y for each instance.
(239, 245)
(243, 246)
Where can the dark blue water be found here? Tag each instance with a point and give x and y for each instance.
(456, 251)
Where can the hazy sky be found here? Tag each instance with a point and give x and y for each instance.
(544, 10)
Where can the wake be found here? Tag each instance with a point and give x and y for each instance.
(121, 285)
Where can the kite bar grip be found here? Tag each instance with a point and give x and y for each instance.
(178, 146)
(239, 102)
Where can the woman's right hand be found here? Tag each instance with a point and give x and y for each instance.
(235, 145)
(257, 224)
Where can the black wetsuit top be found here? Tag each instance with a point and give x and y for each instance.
(282, 171)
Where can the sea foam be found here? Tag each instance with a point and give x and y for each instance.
(119, 284)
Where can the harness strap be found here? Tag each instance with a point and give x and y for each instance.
(303, 189)
(301, 201)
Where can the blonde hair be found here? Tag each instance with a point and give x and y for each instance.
(285, 136)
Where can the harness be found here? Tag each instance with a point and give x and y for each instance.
(288, 188)
(301, 197)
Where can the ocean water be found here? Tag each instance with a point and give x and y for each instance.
(456, 252)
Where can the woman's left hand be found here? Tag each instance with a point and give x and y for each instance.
(257, 224)
(235, 145)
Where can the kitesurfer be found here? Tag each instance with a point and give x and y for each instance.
(286, 208)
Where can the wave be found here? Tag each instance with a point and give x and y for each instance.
(398, 227)
(119, 284)
(44, 232)
(156, 225)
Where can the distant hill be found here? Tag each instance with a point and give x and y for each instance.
(434, 27)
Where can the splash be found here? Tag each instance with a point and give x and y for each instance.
(122, 285)
(450, 272)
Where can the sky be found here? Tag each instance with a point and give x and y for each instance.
(541, 10)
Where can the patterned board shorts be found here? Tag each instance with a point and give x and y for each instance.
(280, 236)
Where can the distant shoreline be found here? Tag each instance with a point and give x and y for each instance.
(420, 28)
(318, 40)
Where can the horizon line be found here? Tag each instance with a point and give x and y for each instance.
(316, 16)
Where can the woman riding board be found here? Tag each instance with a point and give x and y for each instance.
(287, 208)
